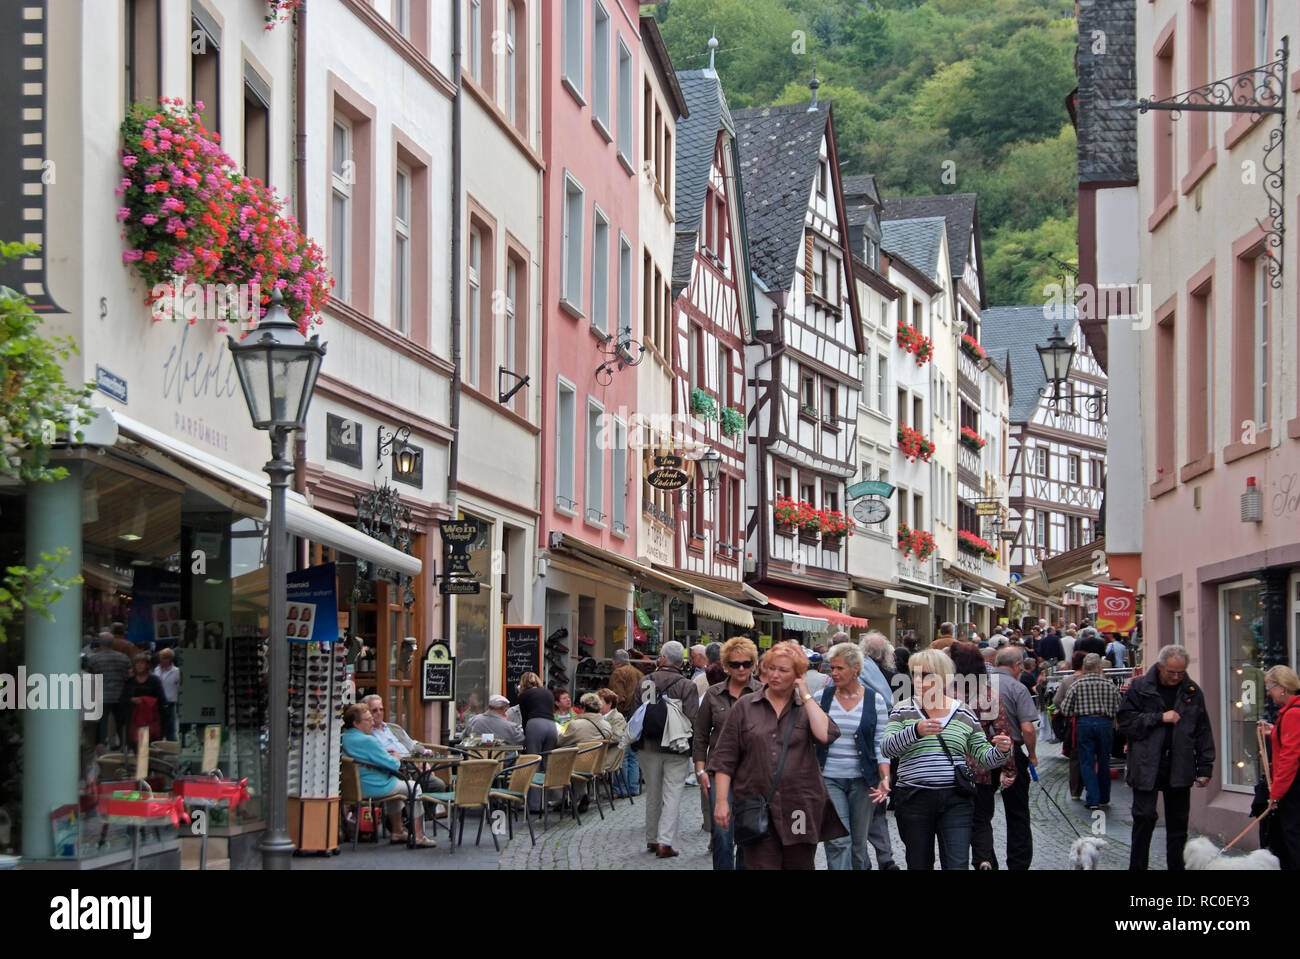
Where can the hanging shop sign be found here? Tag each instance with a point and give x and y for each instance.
(458, 539)
(870, 510)
(869, 488)
(1116, 609)
(667, 472)
(987, 507)
(438, 675)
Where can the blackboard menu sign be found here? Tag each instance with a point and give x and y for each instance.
(521, 652)
(439, 667)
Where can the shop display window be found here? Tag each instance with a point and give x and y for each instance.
(1241, 632)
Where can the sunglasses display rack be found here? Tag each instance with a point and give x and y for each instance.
(246, 710)
(317, 697)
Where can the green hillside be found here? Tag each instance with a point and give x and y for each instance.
(932, 96)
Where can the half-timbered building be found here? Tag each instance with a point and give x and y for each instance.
(1057, 451)
(803, 373)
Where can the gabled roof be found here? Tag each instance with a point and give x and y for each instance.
(916, 241)
(779, 150)
(962, 215)
(1017, 331)
(1107, 97)
(697, 135)
(653, 42)
(863, 187)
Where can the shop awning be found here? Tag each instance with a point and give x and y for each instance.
(983, 597)
(815, 617)
(717, 598)
(916, 599)
(249, 494)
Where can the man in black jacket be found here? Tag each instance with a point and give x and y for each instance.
(1170, 746)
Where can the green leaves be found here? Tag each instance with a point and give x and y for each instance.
(32, 590)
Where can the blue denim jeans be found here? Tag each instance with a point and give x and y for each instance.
(852, 801)
(726, 854)
(632, 772)
(1094, 737)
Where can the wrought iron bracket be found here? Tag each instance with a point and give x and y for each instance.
(620, 352)
(503, 395)
(1094, 404)
(1258, 91)
(382, 515)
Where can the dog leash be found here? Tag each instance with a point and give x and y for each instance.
(1033, 774)
(1253, 823)
(1268, 778)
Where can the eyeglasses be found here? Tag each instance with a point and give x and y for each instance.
(747, 664)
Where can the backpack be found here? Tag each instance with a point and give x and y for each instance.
(653, 718)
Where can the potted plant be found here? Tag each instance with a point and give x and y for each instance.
(968, 542)
(904, 538)
(923, 543)
(835, 526)
(808, 411)
(914, 445)
(733, 421)
(786, 514)
(970, 439)
(971, 347)
(810, 523)
(703, 405)
(915, 342)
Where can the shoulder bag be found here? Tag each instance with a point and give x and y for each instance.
(750, 814)
(963, 780)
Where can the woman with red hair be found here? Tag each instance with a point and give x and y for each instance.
(799, 810)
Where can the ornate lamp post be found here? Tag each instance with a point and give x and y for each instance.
(709, 465)
(277, 369)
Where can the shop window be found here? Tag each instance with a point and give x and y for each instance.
(1241, 638)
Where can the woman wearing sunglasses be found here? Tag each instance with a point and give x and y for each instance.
(738, 658)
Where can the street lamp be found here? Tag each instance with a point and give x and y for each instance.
(277, 369)
(710, 462)
(1056, 358)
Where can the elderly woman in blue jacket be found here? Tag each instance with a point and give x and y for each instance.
(360, 742)
(856, 774)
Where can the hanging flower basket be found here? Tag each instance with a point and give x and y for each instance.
(190, 217)
(970, 346)
(703, 405)
(915, 342)
(970, 439)
(914, 445)
(733, 421)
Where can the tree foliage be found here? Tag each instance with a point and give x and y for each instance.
(972, 88)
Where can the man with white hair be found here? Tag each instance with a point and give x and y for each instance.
(1170, 747)
(665, 772)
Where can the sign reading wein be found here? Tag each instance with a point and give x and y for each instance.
(667, 472)
(458, 536)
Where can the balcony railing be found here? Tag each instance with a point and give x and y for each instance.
(969, 460)
(968, 373)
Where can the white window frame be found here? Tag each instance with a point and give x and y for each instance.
(626, 119)
(340, 260)
(1072, 467)
(1042, 462)
(594, 467)
(508, 341)
(1262, 53)
(571, 249)
(618, 480)
(882, 383)
(402, 17)
(475, 40)
(599, 310)
(602, 27)
(1043, 529)
(574, 47)
(1260, 315)
(474, 254)
(402, 250)
(565, 445)
(625, 282)
(512, 66)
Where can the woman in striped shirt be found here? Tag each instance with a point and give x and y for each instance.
(927, 801)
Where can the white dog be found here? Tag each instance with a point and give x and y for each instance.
(1200, 853)
(1086, 852)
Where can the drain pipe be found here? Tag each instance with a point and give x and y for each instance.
(453, 454)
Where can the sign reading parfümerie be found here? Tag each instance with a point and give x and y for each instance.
(458, 536)
(667, 471)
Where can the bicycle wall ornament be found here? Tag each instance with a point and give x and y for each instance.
(1257, 91)
(381, 515)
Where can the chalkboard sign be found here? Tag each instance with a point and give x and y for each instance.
(439, 668)
(521, 652)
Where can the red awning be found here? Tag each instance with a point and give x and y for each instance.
(806, 604)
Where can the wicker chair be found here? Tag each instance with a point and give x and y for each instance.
(613, 776)
(473, 787)
(558, 775)
(587, 768)
(351, 791)
(515, 792)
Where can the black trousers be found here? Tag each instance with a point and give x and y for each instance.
(1284, 839)
(1178, 804)
(1015, 803)
(981, 827)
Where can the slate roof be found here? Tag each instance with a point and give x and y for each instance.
(860, 188)
(696, 137)
(1014, 333)
(916, 241)
(957, 208)
(1107, 126)
(779, 150)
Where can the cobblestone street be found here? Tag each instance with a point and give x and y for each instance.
(618, 842)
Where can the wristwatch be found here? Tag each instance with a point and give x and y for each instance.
(807, 696)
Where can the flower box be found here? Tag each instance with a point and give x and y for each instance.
(703, 405)
(970, 346)
(914, 445)
(809, 537)
(808, 411)
(915, 541)
(970, 439)
(915, 342)
(968, 542)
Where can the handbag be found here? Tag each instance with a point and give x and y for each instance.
(963, 780)
(750, 815)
